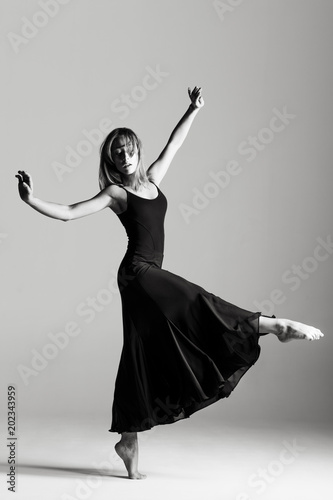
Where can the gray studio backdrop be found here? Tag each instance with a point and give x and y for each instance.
(250, 202)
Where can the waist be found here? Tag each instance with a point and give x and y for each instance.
(135, 258)
(135, 265)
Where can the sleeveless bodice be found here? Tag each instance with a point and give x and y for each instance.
(144, 224)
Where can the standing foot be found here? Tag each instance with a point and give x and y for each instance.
(127, 449)
(288, 330)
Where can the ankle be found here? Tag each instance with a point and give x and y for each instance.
(130, 443)
(280, 327)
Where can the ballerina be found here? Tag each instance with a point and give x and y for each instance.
(184, 348)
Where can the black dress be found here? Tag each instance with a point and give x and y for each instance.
(184, 348)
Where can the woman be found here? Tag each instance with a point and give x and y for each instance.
(184, 348)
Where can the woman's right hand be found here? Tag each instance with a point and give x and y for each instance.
(25, 185)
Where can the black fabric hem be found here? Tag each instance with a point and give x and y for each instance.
(224, 391)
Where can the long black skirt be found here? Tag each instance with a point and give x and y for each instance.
(184, 348)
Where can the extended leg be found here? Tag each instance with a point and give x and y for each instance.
(286, 329)
(128, 450)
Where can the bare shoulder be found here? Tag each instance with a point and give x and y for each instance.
(115, 191)
(118, 197)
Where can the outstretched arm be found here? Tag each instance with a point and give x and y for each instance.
(159, 168)
(106, 198)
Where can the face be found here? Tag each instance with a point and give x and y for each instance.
(125, 155)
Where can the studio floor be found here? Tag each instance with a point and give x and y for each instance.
(66, 459)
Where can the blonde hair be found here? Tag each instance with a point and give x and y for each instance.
(108, 173)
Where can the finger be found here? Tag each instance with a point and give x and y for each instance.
(27, 178)
(22, 174)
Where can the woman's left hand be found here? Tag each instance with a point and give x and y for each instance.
(196, 97)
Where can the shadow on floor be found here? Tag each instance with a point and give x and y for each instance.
(61, 470)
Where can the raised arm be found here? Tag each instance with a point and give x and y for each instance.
(108, 197)
(159, 168)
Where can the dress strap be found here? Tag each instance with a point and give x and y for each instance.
(119, 185)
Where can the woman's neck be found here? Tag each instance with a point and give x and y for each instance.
(131, 182)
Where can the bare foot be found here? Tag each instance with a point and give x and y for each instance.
(291, 330)
(127, 449)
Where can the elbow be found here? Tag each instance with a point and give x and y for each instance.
(68, 215)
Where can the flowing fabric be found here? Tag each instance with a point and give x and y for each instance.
(183, 347)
